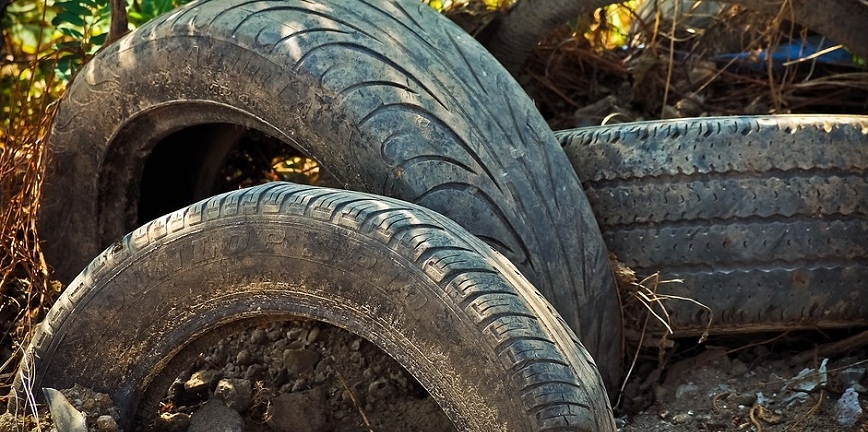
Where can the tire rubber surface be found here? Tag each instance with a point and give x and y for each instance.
(455, 313)
(764, 218)
(388, 96)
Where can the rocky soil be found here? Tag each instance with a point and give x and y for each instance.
(308, 376)
(298, 376)
(771, 386)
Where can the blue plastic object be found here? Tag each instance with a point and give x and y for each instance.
(789, 53)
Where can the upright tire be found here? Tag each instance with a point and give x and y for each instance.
(455, 313)
(388, 96)
(764, 218)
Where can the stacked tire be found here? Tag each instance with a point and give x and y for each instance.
(765, 219)
(390, 98)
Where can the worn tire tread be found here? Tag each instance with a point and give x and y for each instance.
(741, 208)
(557, 380)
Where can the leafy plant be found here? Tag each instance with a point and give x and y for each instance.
(85, 24)
(46, 41)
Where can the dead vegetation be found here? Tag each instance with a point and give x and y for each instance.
(678, 68)
(26, 288)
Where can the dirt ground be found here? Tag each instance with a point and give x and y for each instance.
(776, 384)
(311, 377)
(343, 383)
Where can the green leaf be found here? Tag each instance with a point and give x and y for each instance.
(164, 6)
(149, 9)
(94, 3)
(66, 66)
(67, 17)
(98, 39)
(72, 6)
(71, 32)
(63, 46)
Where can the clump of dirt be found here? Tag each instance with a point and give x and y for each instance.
(300, 375)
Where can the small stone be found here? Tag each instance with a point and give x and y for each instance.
(297, 333)
(215, 416)
(258, 336)
(379, 389)
(680, 418)
(356, 344)
(738, 368)
(177, 422)
(103, 401)
(669, 112)
(299, 412)
(243, 358)
(313, 335)
(686, 390)
(298, 361)
(690, 107)
(235, 393)
(254, 371)
(88, 403)
(357, 358)
(851, 377)
(320, 378)
(746, 399)
(199, 381)
(273, 335)
(299, 385)
(106, 423)
(848, 408)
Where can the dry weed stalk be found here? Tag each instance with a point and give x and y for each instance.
(26, 291)
(645, 294)
(667, 65)
(355, 400)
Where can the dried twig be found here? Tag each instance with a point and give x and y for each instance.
(832, 349)
(354, 400)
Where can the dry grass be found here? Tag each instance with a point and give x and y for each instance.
(645, 314)
(26, 290)
(665, 72)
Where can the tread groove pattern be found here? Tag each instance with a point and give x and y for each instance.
(304, 71)
(553, 373)
(769, 208)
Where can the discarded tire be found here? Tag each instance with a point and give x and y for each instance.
(388, 96)
(765, 218)
(454, 313)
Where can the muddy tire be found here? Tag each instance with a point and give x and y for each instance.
(388, 96)
(765, 218)
(455, 313)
